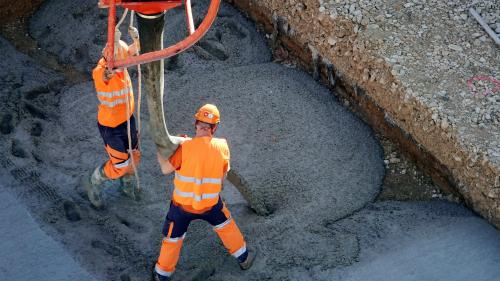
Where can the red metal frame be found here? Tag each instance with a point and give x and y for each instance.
(148, 8)
(177, 48)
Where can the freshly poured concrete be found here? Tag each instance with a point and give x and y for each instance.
(314, 165)
(28, 253)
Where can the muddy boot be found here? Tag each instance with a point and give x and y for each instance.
(159, 277)
(248, 261)
(155, 276)
(128, 186)
(92, 186)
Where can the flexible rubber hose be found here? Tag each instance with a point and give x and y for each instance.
(151, 39)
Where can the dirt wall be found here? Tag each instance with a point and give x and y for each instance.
(333, 52)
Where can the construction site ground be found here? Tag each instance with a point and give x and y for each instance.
(341, 203)
(422, 73)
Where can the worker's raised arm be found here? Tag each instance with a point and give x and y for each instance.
(165, 165)
(134, 48)
(168, 165)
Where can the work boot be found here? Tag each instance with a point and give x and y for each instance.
(247, 263)
(128, 186)
(156, 276)
(159, 277)
(92, 186)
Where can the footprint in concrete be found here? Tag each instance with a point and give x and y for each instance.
(36, 129)
(38, 158)
(108, 248)
(82, 53)
(202, 271)
(137, 227)
(236, 28)
(71, 211)
(201, 53)
(36, 91)
(35, 111)
(214, 48)
(17, 149)
(172, 63)
(7, 124)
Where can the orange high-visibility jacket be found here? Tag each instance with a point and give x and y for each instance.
(112, 96)
(198, 181)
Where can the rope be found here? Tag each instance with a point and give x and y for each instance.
(117, 32)
(129, 135)
(121, 19)
(139, 90)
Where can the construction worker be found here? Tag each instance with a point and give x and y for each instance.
(116, 106)
(200, 166)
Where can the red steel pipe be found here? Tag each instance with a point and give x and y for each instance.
(166, 52)
(110, 53)
(172, 50)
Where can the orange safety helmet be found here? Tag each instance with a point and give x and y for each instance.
(208, 114)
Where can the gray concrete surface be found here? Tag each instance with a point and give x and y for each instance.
(76, 32)
(468, 250)
(289, 137)
(28, 253)
(420, 241)
(315, 165)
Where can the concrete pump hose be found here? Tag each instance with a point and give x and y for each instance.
(151, 39)
(127, 96)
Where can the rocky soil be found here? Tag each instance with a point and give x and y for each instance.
(435, 65)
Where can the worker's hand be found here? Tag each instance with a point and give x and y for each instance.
(118, 36)
(108, 74)
(166, 167)
(160, 158)
(184, 138)
(134, 34)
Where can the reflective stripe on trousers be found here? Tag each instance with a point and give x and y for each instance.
(123, 164)
(175, 228)
(163, 272)
(174, 240)
(240, 251)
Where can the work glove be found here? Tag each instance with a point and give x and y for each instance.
(184, 138)
(118, 36)
(134, 34)
(108, 74)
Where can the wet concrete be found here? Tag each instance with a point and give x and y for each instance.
(314, 165)
(28, 253)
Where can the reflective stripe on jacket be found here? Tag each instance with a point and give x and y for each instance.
(112, 96)
(198, 182)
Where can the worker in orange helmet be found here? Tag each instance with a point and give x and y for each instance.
(114, 92)
(200, 166)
